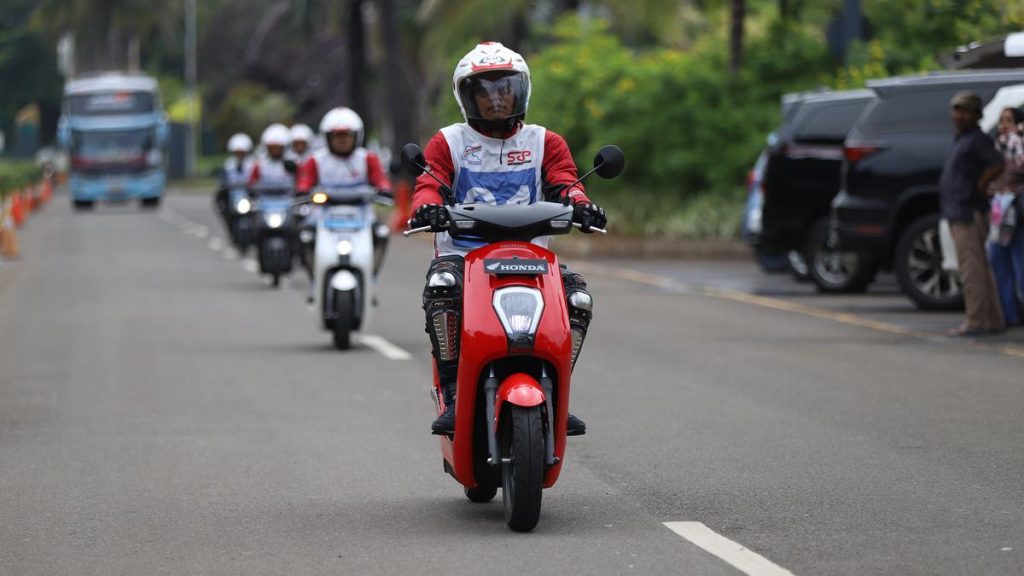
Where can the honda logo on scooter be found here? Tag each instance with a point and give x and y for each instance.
(516, 267)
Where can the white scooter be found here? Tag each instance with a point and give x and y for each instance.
(349, 250)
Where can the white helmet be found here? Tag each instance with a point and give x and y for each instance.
(302, 132)
(276, 135)
(342, 119)
(240, 143)
(492, 71)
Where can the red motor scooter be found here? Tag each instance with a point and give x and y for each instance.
(517, 350)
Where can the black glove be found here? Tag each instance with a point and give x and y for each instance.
(589, 215)
(433, 215)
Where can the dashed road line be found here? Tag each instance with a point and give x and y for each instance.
(777, 304)
(737, 556)
(250, 265)
(382, 346)
(215, 243)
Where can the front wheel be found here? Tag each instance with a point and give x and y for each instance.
(836, 271)
(344, 310)
(81, 205)
(918, 267)
(151, 202)
(522, 466)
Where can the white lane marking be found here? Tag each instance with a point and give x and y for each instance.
(201, 231)
(385, 348)
(737, 556)
(216, 243)
(250, 265)
(229, 254)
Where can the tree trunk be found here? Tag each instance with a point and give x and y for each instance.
(736, 37)
(400, 97)
(358, 81)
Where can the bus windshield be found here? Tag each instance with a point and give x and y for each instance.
(111, 103)
(111, 149)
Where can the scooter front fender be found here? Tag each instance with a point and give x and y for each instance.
(344, 280)
(518, 389)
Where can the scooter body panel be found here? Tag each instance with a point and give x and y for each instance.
(351, 227)
(483, 341)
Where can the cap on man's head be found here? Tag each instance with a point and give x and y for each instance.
(967, 100)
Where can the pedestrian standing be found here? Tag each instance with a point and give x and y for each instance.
(963, 198)
(1006, 242)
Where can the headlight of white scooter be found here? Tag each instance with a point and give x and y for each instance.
(344, 247)
(243, 206)
(275, 220)
(519, 309)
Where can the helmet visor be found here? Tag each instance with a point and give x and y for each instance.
(494, 97)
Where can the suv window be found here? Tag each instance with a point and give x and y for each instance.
(829, 123)
(920, 107)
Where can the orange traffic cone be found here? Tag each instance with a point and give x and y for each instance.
(17, 209)
(403, 207)
(8, 237)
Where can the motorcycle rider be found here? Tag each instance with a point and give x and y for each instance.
(345, 163)
(495, 158)
(302, 140)
(236, 170)
(269, 168)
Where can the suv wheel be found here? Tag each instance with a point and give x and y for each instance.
(918, 266)
(836, 271)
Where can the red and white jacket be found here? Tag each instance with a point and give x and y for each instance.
(528, 165)
(360, 168)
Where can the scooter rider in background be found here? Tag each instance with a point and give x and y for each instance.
(344, 163)
(494, 158)
(302, 144)
(236, 170)
(269, 168)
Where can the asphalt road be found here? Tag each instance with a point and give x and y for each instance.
(163, 410)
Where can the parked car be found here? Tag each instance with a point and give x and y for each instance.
(791, 187)
(888, 204)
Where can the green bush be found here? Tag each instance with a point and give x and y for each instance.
(250, 108)
(15, 174)
(690, 129)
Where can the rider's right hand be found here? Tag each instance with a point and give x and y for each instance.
(433, 215)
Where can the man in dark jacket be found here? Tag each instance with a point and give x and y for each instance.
(971, 166)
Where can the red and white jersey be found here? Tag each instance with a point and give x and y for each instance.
(517, 169)
(270, 173)
(360, 168)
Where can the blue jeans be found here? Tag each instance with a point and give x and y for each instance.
(1008, 268)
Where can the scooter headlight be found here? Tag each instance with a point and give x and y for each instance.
(344, 247)
(243, 206)
(519, 309)
(275, 220)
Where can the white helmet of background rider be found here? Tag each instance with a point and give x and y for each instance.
(493, 71)
(240, 143)
(342, 119)
(302, 133)
(276, 135)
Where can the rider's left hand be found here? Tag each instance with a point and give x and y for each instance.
(589, 215)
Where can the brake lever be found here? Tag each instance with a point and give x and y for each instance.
(412, 231)
(595, 229)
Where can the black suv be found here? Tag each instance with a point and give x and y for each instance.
(799, 176)
(889, 201)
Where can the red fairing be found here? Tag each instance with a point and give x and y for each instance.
(484, 341)
(519, 389)
(558, 168)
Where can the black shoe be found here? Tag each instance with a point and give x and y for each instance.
(574, 426)
(445, 423)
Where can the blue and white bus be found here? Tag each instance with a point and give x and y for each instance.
(115, 131)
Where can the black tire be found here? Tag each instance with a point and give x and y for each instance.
(484, 492)
(341, 326)
(150, 202)
(836, 271)
(276, 280)
(522, 466)
(82, 205)
(918, 267)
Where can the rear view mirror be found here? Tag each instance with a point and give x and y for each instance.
(412, 159)
(609, 161)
